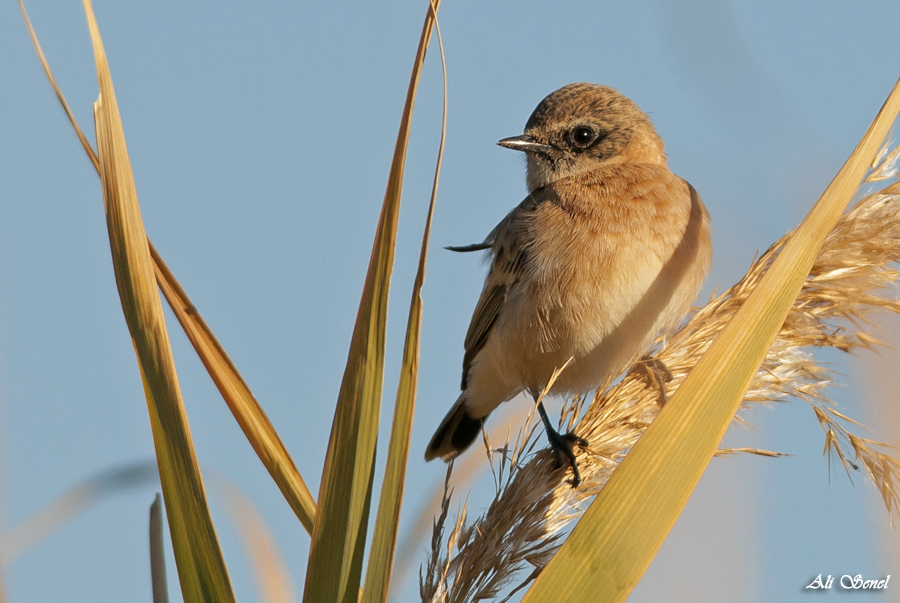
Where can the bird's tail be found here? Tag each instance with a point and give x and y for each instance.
(456, 433)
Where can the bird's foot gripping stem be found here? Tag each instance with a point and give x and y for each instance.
(562, 446)
(656, 374)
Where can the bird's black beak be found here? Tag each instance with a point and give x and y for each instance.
(525, 143)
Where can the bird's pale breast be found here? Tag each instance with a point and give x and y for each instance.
(612, 257)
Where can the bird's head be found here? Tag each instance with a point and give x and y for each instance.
(580, 128)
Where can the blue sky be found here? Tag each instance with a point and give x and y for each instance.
(261, 138)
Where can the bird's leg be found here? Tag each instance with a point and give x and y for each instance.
(562, 445)
(657, 374)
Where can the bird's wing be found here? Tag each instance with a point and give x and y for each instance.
(509, 252)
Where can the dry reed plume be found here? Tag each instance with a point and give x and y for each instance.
(854, 274)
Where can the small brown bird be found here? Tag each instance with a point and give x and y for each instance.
(608, 249)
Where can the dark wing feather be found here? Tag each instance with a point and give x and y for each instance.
(467, 248)
(508, 247)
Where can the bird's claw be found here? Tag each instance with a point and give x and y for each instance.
(562, 446)
(657, 374)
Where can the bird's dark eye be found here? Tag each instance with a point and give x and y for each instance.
(583, 136)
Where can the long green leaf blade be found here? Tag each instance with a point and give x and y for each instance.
(237, 395)
(384, 540)
(338, 543)
(246, 410)
(201, 568)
